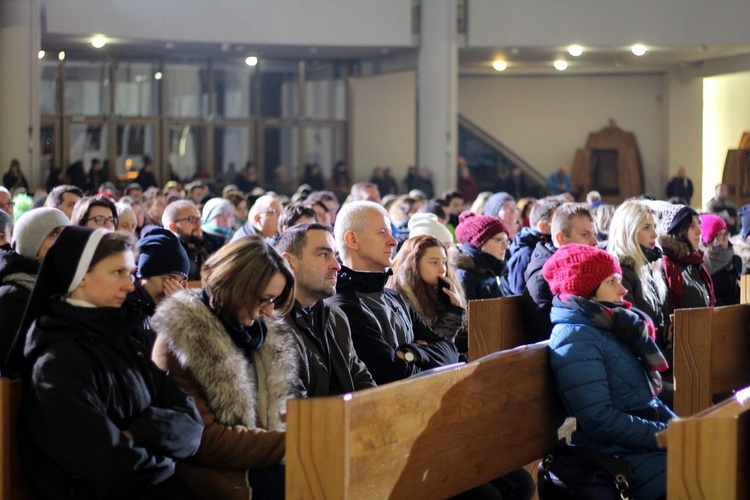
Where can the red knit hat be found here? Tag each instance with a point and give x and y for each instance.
(478, 229)
(711, 225)
(576, 269)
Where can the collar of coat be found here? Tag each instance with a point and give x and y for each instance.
(252, 393)
(362, 281)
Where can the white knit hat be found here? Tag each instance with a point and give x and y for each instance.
(427, 223)
(33, 227)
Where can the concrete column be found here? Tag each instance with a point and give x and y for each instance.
(437, 91)
(20, 41)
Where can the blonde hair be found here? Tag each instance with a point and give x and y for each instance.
(627, 221)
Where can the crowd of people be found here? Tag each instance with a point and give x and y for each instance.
(160, 331)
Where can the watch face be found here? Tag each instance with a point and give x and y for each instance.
(409, 356)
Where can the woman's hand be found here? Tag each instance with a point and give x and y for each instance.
(451, 292)
(171, 286)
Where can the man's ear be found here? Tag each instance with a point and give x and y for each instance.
(351, 240)
(291, 259)
(544, 227)
(558, 239)
(173, 227)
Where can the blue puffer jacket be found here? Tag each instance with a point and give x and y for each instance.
(601, 382)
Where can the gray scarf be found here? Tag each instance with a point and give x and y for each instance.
(718, 258)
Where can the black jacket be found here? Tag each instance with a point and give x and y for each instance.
(17, 276)
(140, 300)
(90, 382)
(536, 300)
(520, 255)
(382, 322)
(479, 272)
(328, 362)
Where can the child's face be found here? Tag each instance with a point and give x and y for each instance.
(611, 290)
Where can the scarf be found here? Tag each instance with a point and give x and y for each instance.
(718, 258)
(628, 325)
(245, 338)
(674, 277)
(213, 229)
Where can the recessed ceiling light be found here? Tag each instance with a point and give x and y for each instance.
(561, 65)
(98, 41)
(575, 50)
(499, 65)
(251, 61)
(40, 54)
(638, 49)
(158, 75)
(61, 55)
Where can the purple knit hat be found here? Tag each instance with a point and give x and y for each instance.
(478, 229)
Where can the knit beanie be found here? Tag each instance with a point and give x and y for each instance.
(744, 213)
(215, 207)
(33, 227)
(427, 223)
(495, 202)
(711, 225)
(576, 269)
(6, 224)
(671, 217)
(160, 253)
(478, 229)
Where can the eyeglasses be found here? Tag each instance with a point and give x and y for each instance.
(271, 211)
(101, 221)
(502, 241)
(263, 304)
(9, 204)
(722, 235)
(193, 219)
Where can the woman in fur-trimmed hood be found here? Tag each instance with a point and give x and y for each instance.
(241, 372)
(688, 281)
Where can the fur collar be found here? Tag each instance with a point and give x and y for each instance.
(672, 245)
(252, 394)
(741, 248)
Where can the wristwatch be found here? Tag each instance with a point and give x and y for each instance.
(409, 356)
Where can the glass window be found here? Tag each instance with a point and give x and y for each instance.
(233, 86)
(88, 141)
(86, 88)
(136, 89)
(185, 90)
(186, 150)
(134, 141)
(48, 87)
(323, 145)
(232, 149)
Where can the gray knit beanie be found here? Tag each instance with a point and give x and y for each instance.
(495, 202)
(33, 227)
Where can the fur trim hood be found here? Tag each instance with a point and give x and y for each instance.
(240, 392)
(672, 245)
(742, 249)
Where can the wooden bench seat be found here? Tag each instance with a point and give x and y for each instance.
(495, 325)
(709, 453)
(12, 483)
(711, 355)
(427, 437)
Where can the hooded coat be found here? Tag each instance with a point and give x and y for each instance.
(90, 382)
(689, 284)
(240, 399)
(479, 272)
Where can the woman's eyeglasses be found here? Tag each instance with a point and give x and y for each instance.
(263, 304)
(101, 221)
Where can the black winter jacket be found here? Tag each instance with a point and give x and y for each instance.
(17, 276)
(536, 299)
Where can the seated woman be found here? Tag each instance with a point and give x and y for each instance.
(688, 280)
(480, 260)
(606, 364)
(95, 212)
(721, 263)
(240, 372)
(418, 266)
(100, 420)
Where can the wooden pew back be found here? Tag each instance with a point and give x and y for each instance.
(12, 483)
(426, 437)
(709, 454)
(495, 325)
(711, 355)
(745, 289)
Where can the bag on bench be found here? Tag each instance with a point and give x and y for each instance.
(573, 472)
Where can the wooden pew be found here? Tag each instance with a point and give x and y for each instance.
(495, 325)
(12, 484)
(745, 289)
(427, 437)
(711, 355)
(709, 453)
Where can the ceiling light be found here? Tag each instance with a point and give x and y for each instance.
(638, 49)
(40, 54)
(158, 75)
(561, 65)
(251, 61)
(575, 50)
(499, 65)
(99, 41)
(61, 55)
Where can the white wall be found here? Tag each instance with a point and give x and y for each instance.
(383, 125)
(726, 115)
(545, 119)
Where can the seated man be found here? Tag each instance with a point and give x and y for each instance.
(390, 337)
(329, 363)
(262, 219)
(571, 223)
(183, 218)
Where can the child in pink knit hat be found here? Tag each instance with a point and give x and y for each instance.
(720, 261)
(606, 364)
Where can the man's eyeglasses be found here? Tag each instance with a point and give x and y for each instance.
(263, 304)
(193, 219)
(271, 211)
(101, 221)
(9, 204)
